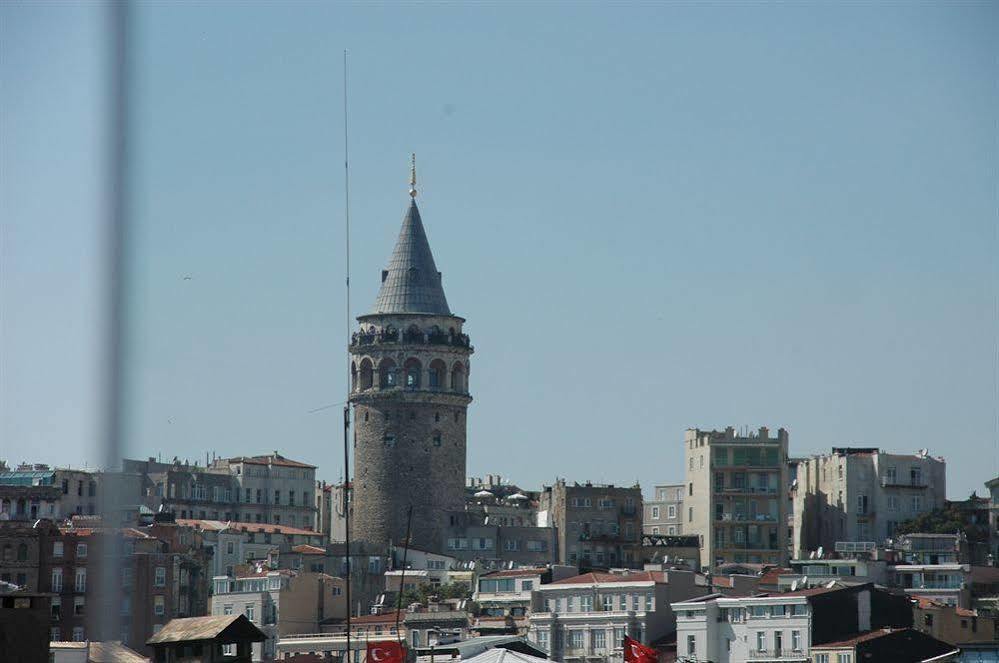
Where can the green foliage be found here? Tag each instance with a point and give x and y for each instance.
(947, 520)
(423, 593)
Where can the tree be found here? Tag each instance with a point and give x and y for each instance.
(947, 520)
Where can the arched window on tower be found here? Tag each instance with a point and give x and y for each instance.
(386, 374)
(436, 374)
(353, 376)
(413, 370)
(365, 377)
(458, 378)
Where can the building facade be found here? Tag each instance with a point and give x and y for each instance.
(736, 497)
(663, 514)
(585, 617)
(596, 525)
(280, 603)
(269, 488)
(862, 494)
(409, 392)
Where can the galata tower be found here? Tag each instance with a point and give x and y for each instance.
(409, 390)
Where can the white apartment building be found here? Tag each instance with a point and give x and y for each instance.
(280, 487)
(861, 495)
(736, 497)
(777, 627)
(585, 617)
(280, 603)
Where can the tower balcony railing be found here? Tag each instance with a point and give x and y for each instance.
(389, 336)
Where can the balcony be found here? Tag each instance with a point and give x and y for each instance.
(893, 482)
(776, 655)
(391, 336)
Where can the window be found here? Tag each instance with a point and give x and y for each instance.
(55, 608)
(126, 606)
(822, 658)
(81, 581)
(57, 549)
(799, 610)
(861, 505)
(608, 602)
(758, 611)
(671, 511)
(227, 609)
(690, 514)
(56, 580)
(691, 463)
(655, 530)
(230, 547)
(893, 502)
(691, 645)
(634, 602)
(389, 439)
(437, 439)
(586, 604)
(917, 503)
(671, 530)
(777, 611)
(655, 513)
(575, 640)
(541, 637)
(77, 634)
(160, 579)
(916, 476)
(55, 635)
(891, 476)
(526, 585)
(79, 605)
(796, 640)
(249, 611)
(598, 639)
(761, 641)
(277, 497)
(159, 605)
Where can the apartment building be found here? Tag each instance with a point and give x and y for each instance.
(269, 489)
(596, 525)
(861, 494)
(494, 545)
(162, 577)
(586, 617)
(235, 543)
(736, 497)
(280, 603)
(505, 597)
(663, 514)
(781, 627)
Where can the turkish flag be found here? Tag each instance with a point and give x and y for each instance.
(636, 652)
(386, 652)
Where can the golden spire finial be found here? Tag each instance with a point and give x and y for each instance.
(412, 177)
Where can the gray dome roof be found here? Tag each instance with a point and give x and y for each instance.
(411, 284)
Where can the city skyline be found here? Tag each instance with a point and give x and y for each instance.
(654, 220)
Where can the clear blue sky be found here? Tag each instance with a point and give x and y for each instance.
(653, 217)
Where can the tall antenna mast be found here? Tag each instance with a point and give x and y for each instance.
(346, 407)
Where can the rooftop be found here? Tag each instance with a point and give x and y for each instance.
(411, 282)
(597, 577)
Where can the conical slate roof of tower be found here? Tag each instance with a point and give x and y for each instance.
(411, 284)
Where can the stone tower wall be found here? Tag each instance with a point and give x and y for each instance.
(409, 442)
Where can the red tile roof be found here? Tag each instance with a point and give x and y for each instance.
(384, 618)
(595, 577)
(854, 639)
(770, 576)
(217, 525)
(306, 549)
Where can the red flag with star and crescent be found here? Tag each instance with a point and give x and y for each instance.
(386, 652)
(636, 652)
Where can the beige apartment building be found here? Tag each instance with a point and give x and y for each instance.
(862, 494)
(736, 497)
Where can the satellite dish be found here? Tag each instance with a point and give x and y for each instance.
(820, 552)
(831, 584)
(794, 585)
(804, 582)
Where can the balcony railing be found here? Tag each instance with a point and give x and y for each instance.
(387, 336)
